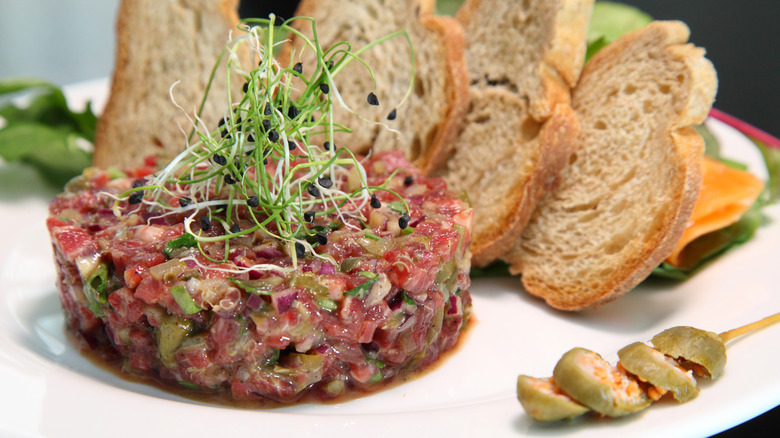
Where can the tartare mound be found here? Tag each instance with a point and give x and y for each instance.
(377, 299)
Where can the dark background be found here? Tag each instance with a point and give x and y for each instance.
(742, 39)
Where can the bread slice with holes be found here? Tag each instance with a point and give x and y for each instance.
(523, 58)
(159, 43)
(624, 200)
(425, 124)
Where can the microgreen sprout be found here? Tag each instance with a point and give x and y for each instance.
(259, 170)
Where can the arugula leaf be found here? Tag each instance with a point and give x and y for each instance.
(45, 134)
(772, 161)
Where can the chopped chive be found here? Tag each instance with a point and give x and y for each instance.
(372, 236)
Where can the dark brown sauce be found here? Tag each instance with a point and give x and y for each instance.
(109, 361)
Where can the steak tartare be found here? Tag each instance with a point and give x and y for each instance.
(357, 304)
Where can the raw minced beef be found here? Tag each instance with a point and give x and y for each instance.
(386, 303)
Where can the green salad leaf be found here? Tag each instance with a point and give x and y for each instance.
(609, 21)
(45, 133)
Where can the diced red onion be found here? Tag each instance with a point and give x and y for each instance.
(416, 221)
(327, 268)
(254, 302)
(283, 300)
(269, 253)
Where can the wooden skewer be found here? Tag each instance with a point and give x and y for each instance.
(745, 329)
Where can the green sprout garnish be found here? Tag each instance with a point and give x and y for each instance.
(259, 170)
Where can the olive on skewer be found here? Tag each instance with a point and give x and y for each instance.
(544, 401)
(583, 381)
(660, 371)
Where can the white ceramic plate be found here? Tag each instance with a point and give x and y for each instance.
(49, 390)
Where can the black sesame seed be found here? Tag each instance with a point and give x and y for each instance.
(184, 201)
(253, 201)
(308, 216)
(135, 197)
(313, 190)
(229, 179)
(326, 182)
(267, 109)
(326, 145)
(325, 88)
(205, 223)
(293, 112)
(408, 180)
(266, 125)
(221, 122)
(265, 161)
(403, 221)
(375, 201)
(245, 87)
(224, 133)
(235, 228)
(273, 135)
(300, 250)
(251, 138)
(139, 183)
(330, 65)
(291, 145)
(298, 68)
(219, 159)
(392, 115)
(372, 99)
(322, 239)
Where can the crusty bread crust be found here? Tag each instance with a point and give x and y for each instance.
(551, 150)
(573, 253)
(533, 51)
(160, 42)
(429, 120)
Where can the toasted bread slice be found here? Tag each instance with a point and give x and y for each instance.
(160, 42)
(623, 201)
(522, 57)
(428, 120)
